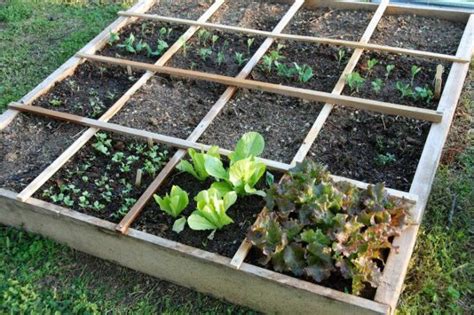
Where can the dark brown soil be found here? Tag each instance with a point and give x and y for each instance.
(225, 242)
(260, 15)
(418, 32)
(95, 173)
(331, 23)
(28, 145)
(147, 32)
(269, 115)
(89, 91)
(184, 9)
(321, 58)
(355, 144)
(169, 106)
(228, 44)
(401, 73)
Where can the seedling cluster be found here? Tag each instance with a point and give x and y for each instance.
(112, 187)
(407, 89)
(274, 60)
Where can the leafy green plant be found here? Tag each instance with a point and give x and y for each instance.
(204, 53)
(371, 63)
(423, 93)
(173, 204)
(341, 53)
(385, 159)
(388, 70)
(404, 89)
(214, 40)
(240, 59)
(55, 102)
(355, 81)
(313, 227)
(415, 70)
(197, 168)
(377, 85)
(103, 143)
(161, 47)
(142, 46)
(305, 72)
(284, 71)
(203, 37)
(113, 37)
(211, 208)
(250, 42)
(220, 58)
(128, 44)
(270, 58)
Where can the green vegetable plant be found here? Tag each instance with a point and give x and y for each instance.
(273, 56)
(404, 89)
(161, 47)
(220, 58)
(385, 159)
(314, 228)
(341, 53)
(388, 70)
(423, 93)
(371, 63)
(250, 42)
(214, 40)
(211, 210)
(240, 59)
(415, 70)
(103, 143)
(304, 72)
(197, 168)
(355, 81)
(377, 85)
(128, 44)
(203, 37)
(284, 71)
(173, 204)
(204, 53)
(113, 37)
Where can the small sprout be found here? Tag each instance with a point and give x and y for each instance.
(205, 53)
(284, 71)
(267, 63)
(355, 81)
(168, 33)
(110, 95)
(103, 144)
(68, 201)
(173, 203)
(377, 85)
(113, 37)
(149, 168)
(388, 70)
(98, 206)
(220, 58)
(305, 72)
(163, 32)
(124, 208)
(161, 47)
(55, 102)
(85, 179)
(385, 159)
(404, 89)
(414, 71)
(240, 59)
(250, 42)
(271, 58)
(203, 37)
(128, 44)
(425, 94)
(118, 157)
(371, 63)
(340, 56)
(214, 39)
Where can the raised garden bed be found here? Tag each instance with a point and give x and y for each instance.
(295, 254)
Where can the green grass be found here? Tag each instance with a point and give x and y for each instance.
(40, 276)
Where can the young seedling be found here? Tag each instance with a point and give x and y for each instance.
(414, 71)
(377, 85)
(128, 44)
(163, 32)
(385, 159)
(404, 89)
(240, 59)
(388, 70)
(250, 42)
(161, 47)
(271, 58)
(220, 58)
(305, 72)
(214, 40)
(124, 208)
(203, 37)
(425, 94)
(340, 56)
(103, 144)
(197, 168)
(173, 204)
(204, 53)
(113, 37)
(142, 46)
(371, 63)
(184, 46)
(55, 102)
(355, 81)
(284, 71)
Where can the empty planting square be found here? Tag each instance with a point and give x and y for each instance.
(370, 147)
(419, 32)
(184, 9)
(169, 106)
(28, 145)
(282, 121)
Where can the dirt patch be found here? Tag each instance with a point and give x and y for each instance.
(28, 145)
(90, 91)
(225, 241)
(322, 59)
(401, 73)
(370, 147)
(267, 114)
(331, 23)
(418, 32)
(184, 9)
(100, 179)
(169, 106)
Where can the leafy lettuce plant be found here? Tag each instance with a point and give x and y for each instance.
(210, 213)
(173, 204)
(313, 227)
(197, 168)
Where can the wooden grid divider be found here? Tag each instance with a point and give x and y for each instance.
(312, 95)
(174, 141)
(89, 133)
(246, 245)
(124, 225)
(301, 38)
(71, 64)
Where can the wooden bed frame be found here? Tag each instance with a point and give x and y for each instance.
(210, 273)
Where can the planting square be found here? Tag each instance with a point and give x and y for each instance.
(277, 154)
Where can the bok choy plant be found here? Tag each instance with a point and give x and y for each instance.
(197, 168)
(173, 204)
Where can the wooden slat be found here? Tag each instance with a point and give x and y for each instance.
(397, 264)
(301, 38)
(246, 245)
(70, 65)
(86, 136)
(341, 83)
(355, 102)
(124, 225)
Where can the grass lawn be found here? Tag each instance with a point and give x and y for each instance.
(40, 276)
